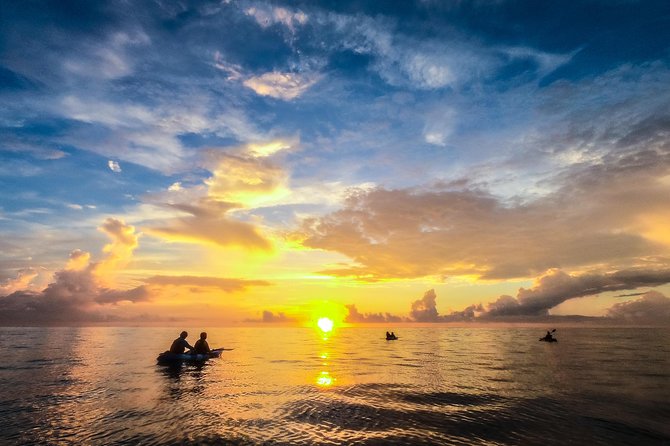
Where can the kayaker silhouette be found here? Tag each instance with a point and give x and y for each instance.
(180, 344)
(548, 337)
(391, 336)
(201, 346)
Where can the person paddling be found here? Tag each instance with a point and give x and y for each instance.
(201, 346)
(180, 344)
(548, 337)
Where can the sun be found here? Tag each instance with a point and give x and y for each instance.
(325, 324)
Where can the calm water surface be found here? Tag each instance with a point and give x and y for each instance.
(496, 386)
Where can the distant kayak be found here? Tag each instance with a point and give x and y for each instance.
(167, 357)
(392, 339)
(549, 340)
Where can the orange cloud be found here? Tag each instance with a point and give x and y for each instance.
(208, 222)
(590, 222)
(224, 284)
(22, 281)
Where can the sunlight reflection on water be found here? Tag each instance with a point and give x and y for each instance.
(294, 386)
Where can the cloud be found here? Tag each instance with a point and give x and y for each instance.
(78, 293)
(268, 317)
(424, 310)
(607, 215)
(246, 179)
(114, 166)
(651, 307)
(439, 126)
(266, 16)
(224, 284)
(22, 280)
(555, 287)
(354, 316)
(78, 260)
(105, 60)
(124, 241)
(175, 187)
(207, 222)
(285, 86)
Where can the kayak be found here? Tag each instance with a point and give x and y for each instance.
(549, 340)
(392, 339)
(167, 357)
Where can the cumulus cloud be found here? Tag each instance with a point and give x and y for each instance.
(227, 285)
(78, 293)
(651, 307)
(354, 316)
(22, 280)
(425, 310)
(78, 260)
(555, 287)
(285, 86)
(269, 317)
(114, 166)
(611, 213)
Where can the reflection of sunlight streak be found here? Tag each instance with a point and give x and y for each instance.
(324, 379)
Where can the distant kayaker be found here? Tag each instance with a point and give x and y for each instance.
(180, 344)
(548, 337)
(201, 345)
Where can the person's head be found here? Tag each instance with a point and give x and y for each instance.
(203, 335)
(183, 334)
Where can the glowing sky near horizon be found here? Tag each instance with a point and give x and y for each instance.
(282, 162)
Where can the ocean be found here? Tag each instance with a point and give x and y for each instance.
(293, 386)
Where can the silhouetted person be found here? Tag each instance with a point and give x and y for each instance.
(201, 346)
(388, 335)
(393, 336)
(548, 337)
(180, 344)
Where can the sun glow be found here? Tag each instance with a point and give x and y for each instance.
(325, 324)
(324, 379)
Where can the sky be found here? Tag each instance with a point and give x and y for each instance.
(258, 162)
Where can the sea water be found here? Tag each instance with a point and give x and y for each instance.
(435, 385)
